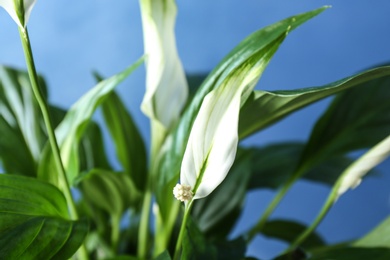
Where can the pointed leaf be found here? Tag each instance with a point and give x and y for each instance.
(130, 147)
(35, 222)
(357, 119)
(265, 108)
(257, 48)
(272, 165)
(72, 128)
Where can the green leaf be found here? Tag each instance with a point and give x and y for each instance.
(265, 108)
(164, 256)
(356, 119)
(272, 165)
(130, 147)
(195, 245)
(35, 222)
(111, 191)
(231, 250)
(92, 152)
(288, 231)
(378, 253)
(217, 213)
(256, 50)
(21, 135)
(379, 237)
(72, 128)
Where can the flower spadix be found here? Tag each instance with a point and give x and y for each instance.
(19, 10)
(166, 85)
(353, 175)
(212, 144)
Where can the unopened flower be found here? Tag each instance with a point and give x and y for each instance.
(166, 84)
(182, 192)
(19, 10)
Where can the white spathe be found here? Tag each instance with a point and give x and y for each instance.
(212, 144)
(166, 84)
(352, 176)
(13, 6)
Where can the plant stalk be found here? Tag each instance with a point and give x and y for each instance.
(179, 241)
(50, 130)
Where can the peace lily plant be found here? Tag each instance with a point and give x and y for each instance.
(197, 175)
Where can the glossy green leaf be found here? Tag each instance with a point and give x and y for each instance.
(72, 128)
(265, 108)
(288, 231)
(356, 119)
(272, 165)
(130, 147)
(21, 134)
(35, 222)
(217, 213)
(256, 50)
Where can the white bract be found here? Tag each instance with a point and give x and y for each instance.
(19, 10)
(352, 176)
(212, 144)
(166, 84)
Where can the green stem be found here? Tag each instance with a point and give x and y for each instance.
(50, 131)
(274, 203)
(143, 234)
(164, 229)
(324, 210)
(115, 232)
(179, 241)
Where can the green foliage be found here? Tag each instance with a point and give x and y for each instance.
(36, 210)
(34, 221)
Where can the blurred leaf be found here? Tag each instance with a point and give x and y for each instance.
(272, 165)
(163, 256)
(92, 152)
(357, 119)
(35, 222)
(217, 213)
(231, 250)
(379, 237)
(72, 128)
(21, 135)
(111, 191)
(353, 253)
(265, 108)
(195, 245)
(256, 50)
(288, 231)
(130, 147)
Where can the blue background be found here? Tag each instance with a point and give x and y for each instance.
(72, 38)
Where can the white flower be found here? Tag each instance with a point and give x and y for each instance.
(182, 192)
(352, 176)
(212, 144)
(19, 10)
(166, 84)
